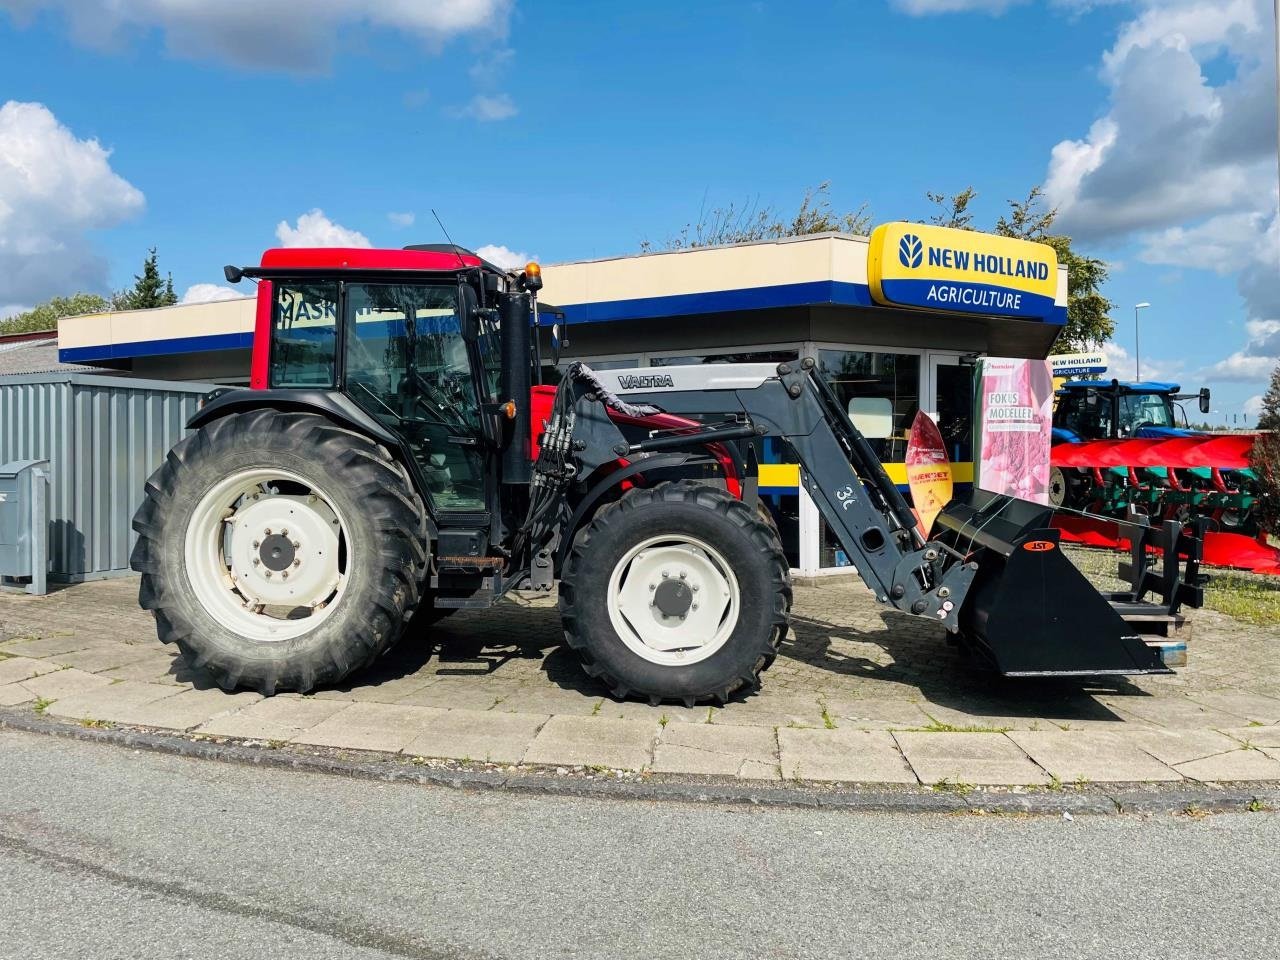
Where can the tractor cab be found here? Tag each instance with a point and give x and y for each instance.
(1118, 410)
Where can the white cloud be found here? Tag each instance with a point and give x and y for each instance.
(210, 292)
(54, 189)
(504, 257)
(1122, 365)
(8, 310)
(1253, 407)
(270, 34)
(314, 229)
(1173, 146)
(487, 108)
(401, 219)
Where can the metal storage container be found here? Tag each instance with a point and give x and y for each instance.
(103, 436)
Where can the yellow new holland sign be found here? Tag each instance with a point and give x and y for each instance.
(960, 271)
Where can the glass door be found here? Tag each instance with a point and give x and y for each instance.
(948, 399)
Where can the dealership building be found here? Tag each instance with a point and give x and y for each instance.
(898, 317)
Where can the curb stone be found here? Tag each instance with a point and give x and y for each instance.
(1175, 798)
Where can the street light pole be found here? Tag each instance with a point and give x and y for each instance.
(1137, 340)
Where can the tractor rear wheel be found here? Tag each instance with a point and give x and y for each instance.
(678, 592)
(279, 551)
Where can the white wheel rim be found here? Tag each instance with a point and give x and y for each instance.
(673, 600)
(265, 554)
(1057, 487)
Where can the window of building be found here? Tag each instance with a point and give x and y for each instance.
(756, 356)
(892, 376)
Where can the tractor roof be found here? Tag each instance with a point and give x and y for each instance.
(1123, 386)
(434, 260)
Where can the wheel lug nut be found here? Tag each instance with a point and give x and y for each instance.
(665, 574)
(696, 588)
(653, 586)
(268, 531)
(297, 563)
(256, 561)
(268, 574)
(297, 545)
(285, 575)
(284, 533)
(256, 544)
(684, 575)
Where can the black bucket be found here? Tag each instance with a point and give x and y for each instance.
(1030, 611)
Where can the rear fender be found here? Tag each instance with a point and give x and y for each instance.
(328, 403)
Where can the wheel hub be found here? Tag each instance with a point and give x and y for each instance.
(277, 552)
(673, 598)
(284, 550)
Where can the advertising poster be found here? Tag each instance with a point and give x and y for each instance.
(1015, 421)
(928, 470)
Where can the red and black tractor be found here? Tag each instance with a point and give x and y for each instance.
(397, 459)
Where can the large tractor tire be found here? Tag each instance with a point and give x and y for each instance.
(678, 592)
(279, 551)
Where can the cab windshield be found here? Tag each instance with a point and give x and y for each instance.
(1138, 410)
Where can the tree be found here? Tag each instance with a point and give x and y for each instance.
(149, 291)
(1269, 417)
(747, 223)
(45, 316)
(953, 211)
(1089, 323)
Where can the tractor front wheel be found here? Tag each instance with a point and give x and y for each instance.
(679, 592)
(279, 551)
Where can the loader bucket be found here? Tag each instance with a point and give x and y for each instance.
(1030, 611)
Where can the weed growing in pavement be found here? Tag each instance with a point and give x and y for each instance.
(1258, 806)
(937, 726)
(947, 785)
(1194, 812)
(827, 721)
(41, 705)
(711, 712)
(1055, 782)
(95, 724)
(663, 721)
(595, 711)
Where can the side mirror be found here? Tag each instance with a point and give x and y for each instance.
(469, 314)
(1204, 400)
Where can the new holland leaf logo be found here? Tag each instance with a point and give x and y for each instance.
(910, 251)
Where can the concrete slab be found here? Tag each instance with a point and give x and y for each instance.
(1176, 712)
(64, 683)
(156, 667)
(1180, 746)
(377, 691)
(594, 741)
(478, 735)
(49, 646)
(14, 669)
(636, 710)
(110, 701)
(187, 709)
(275, 718)
(717, 749)
(1250, 706)
(864, 713)
(1093, 756)
(855, 756)
(977, 758)
(105, 656)
(12, 694)
(544, 698)
(459, 694)
(1257, 736)
(773, 709)
(1233, 766)
(371, 726)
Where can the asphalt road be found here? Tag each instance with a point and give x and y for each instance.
(108, 853)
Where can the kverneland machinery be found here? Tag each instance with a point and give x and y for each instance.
(1124, 450)
(398, 460)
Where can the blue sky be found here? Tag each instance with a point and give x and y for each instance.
(571, 130)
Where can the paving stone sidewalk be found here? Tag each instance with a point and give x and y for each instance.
(858, 695)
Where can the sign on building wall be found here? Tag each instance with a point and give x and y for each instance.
(1078, 364)
(1014, 419)
(961, 271)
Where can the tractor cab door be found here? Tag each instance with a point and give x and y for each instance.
(408, 364)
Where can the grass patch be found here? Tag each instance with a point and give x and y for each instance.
(41, 705)
(827, 720)
(711, 712)
(663, 721)
(1258, 806)
(95, 724)
(947, 785)
(595, 711)
(1251, 597)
